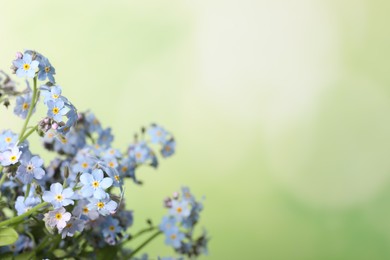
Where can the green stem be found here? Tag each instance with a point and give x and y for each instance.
(19, 218)
(27, 191)
(3, 177)
(30, 110)
(41, 246)
(28, 134)
(147, 241)
(142, 231)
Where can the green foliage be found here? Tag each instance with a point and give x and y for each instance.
(8, 236)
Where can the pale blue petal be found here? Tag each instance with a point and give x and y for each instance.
(56, 188)
(97, 174)
(106, 182)
(48, 196)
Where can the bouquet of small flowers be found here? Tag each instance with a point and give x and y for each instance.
(73, 206)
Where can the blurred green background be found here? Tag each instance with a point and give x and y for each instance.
(280, 109)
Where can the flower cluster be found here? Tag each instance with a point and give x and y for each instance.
(178, 225)
(79, 193)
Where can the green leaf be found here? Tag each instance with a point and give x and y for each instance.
(3, 204)
(24, 256)
(59, 253)
(8, 236)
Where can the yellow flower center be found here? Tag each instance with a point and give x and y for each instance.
(47, 69)
(173, 236)
(8, 139)
(12, 158)
(55, 96)
(100, 205)
(55, 110)
(167, 148)
(59, 197)
(158, 133)
(69, 225)
(111, 164)
(25, 106)
(124, 169)
(138, 155)
(58, 216)
(179, 210)
(112, 228)
(26, 66)
(64, 140)
(95, 184)
(117, 177)
(85, 210)
(84, 165)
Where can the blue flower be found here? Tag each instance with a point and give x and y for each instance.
(23, 205)
(127, 167)
(140, 152)
(10, 157)
(46, 70)
(95, 184)
(56, 110)
(72, 226)
(174, 237)
(83, 163)
(24, 243)
(72, 116)
(82, 211)
(125, 218)
(167, 223)
(22, 106)
(105, 137)
(180, 209)
(29, 169)
(93, 124)
(168, 148)
(157, 134)
(58, 196)
(51, 93)
(7, 139)
(26, 67)
(103, 206)
(57, 218)
(110, 227)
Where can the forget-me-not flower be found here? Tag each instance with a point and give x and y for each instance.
(22, 205)
(157, 134)
(29, 169)
(103, 206)
(51, 93)
(26, 67)
(72, 226)
(168, 148)
(10, 156)
(7, 139)
(82, 211)
(58, 196)
(174, 237)
(57, 218)
(46, 70)
(56, 110)
(180, 209)
(22, 106)
(95, 184)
